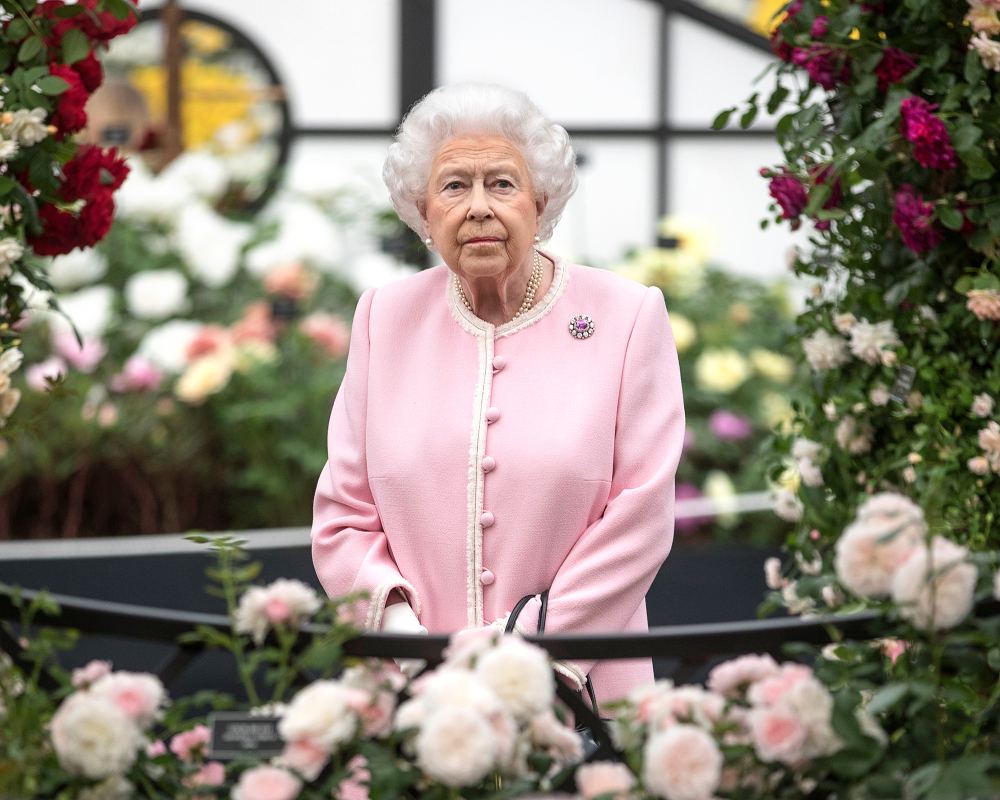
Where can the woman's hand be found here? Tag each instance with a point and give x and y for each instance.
(399, 618)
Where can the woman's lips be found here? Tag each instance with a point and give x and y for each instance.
(483, 240)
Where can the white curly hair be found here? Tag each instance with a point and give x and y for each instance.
(484, 109)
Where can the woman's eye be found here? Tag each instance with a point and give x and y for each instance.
(453, 185)
(503, 183)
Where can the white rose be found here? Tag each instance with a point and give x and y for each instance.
(210, 244)
(93, 737)
(455, 746)
(787, 505)
(204, 174)
(77, 268)
(28, 127)
(89, 309)
(813, 705)
(872, 341)
(982, 405)
(811, 474)
(10, 251)
(156, 294)
(11, 360)
(166, 346)
(284, 602)
(844, 322)
(521, 676)
(138, 694)
(825, 351)
(772, 573)
(308, 230)
(146, 197)
(721, 369)
(321, 713)
(935, 588)
(682, 763)
(888, 528)
(806, 449)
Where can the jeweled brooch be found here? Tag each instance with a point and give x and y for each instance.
(582, 327)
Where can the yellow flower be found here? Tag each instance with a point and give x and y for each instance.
(214, 96)
(789, 478)
(684, 331)
(719, 488)
(771, 365)
(777, 411)
(204, 38)
(694, 236)
(252, 352)
(677, 272)
(721, 369)
(204, 376)
(762, 16)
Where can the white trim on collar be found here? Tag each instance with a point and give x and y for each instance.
(477, 327)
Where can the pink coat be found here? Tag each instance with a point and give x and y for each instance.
(472, 464)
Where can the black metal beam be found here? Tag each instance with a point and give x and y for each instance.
(417, 52)
(580, 131)
(717, 22)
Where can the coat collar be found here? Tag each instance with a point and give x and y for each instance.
(478, 327)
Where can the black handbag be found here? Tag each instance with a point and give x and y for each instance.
(512, 621)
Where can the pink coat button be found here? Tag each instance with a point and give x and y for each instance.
(492, 414)
(486, 519)
(488, 463)
(487, 577)
(499, 362)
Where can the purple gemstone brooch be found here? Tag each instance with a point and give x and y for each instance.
(582, 327)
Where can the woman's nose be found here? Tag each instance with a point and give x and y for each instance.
(479, 203)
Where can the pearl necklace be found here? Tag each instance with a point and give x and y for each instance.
(529, 295)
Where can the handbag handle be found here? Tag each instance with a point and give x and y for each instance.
(512, 621)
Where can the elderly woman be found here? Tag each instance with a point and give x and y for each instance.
(509, 423)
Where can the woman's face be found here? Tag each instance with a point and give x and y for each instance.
(480, 208)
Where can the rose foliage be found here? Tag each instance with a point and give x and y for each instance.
(888, 121)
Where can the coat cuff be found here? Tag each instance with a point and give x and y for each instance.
(376, 607)
(573, 672)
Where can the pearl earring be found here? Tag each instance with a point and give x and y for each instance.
(429, 242)
(537, 238)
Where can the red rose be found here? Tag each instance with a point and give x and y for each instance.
(90, 71)
(895, 65)
(914, 217)
(98, 26)
(931, 142)
(790, 194)
(82, 173)
(69, 116)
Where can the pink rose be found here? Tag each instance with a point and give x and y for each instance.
(139, 695)
(604, 777)
(682, 763)
(213, 773)
(291, 280)
(984, 303)
(187, 744)
(305, 757)
(156, 748)
(85, 358)
(267, 783)
(771, 689)
(732, 676)
(36, 375)
(778, 734)
(208, 339)
(257, 325)
(354, 787)
(329, 332)
(374, 711)
(90, 673)
(138, 375)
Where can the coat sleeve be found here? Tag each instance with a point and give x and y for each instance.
(349, 548)
(606, 574)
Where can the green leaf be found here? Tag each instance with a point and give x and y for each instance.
(966, 136)
(951, 217)
(886, 697)
(976, 163)
(746, 120)
(52, 85)
(30, 48)
(817, 197)
(74, 46)
(722, 119)
(17, 29)
(6, 184)
(776, 99)
(973, 72)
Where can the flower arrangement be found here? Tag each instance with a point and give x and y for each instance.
(210, 350)
(55, 195)
(888, 469)
(731, 334)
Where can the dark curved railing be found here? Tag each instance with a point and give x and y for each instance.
(692, 645)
